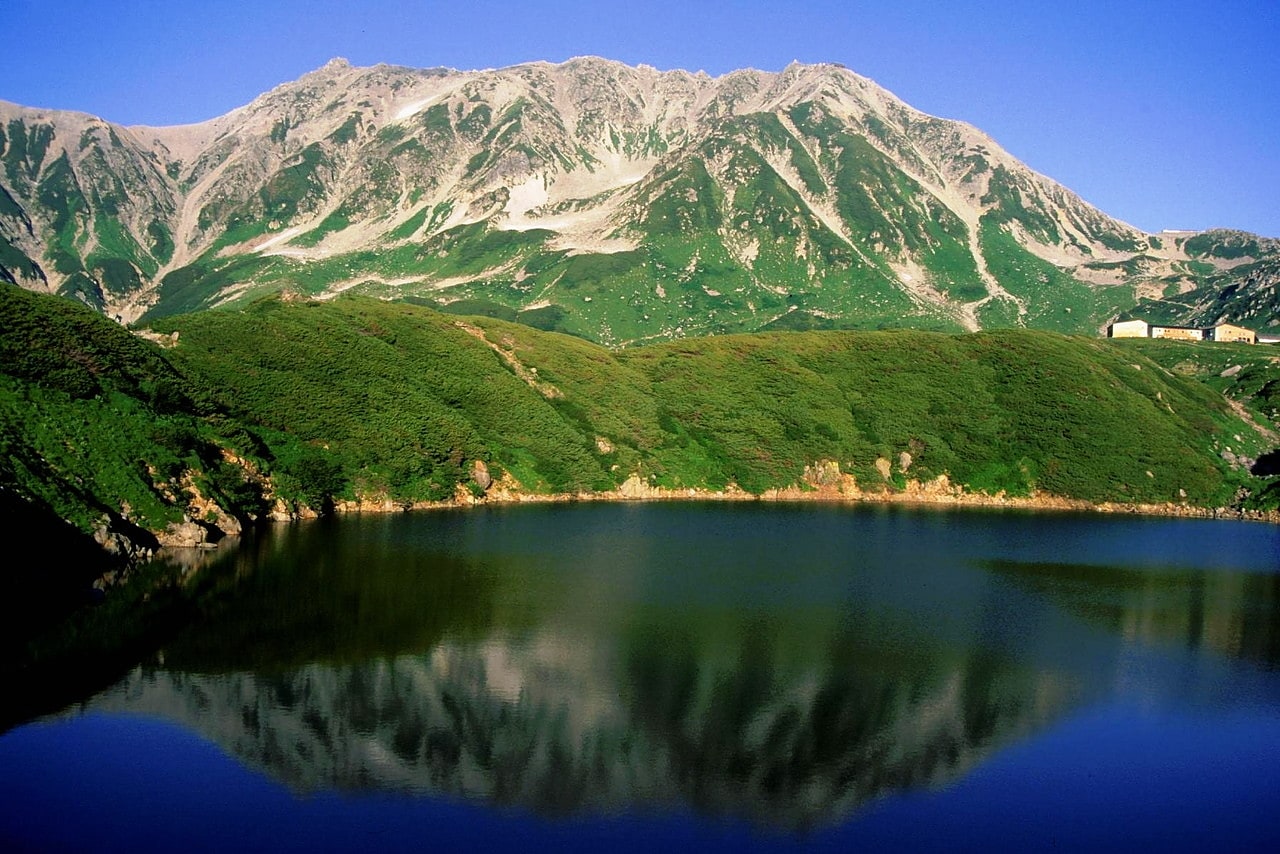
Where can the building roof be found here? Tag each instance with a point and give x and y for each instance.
(1192, 328)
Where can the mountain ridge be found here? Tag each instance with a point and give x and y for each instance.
(620, 203)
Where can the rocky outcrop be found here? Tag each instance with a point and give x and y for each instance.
(190, 534)
(634, 488)
(822, 481)
(480, 475)
(123, 540)
(286, 511)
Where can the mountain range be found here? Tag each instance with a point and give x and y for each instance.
(622, 204)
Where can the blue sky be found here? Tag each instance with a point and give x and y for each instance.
(1165, 115)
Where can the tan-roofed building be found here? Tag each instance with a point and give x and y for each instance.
(1231, 332)
(1225, 332)
(1178, 333)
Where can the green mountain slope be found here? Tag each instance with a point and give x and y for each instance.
(1245, 373)
(620, 204)
(358, 398)
(406, 399)
(92, 416)
(1247, 294)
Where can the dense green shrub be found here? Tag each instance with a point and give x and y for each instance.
(405, 399)
(361, 398)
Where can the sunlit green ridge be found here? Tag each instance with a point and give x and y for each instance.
(358, 398)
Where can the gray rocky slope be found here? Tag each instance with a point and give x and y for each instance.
(620, 203)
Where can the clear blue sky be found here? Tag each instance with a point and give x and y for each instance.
(1166, 115)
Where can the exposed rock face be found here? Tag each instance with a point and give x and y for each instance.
(282, 511)
(215, 517)
(636, 487)
(621, 203)
(123, 539)
(823, 473)
(884, 467)
(191, 534)
(480, 474)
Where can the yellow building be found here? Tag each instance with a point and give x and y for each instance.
(1221, 332)
(1230, 332)
(1178, 333)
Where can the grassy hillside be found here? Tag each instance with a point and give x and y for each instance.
(98, 426)
(403, 400)
(1245, 373)
(96, 430)
(399, 399)
(1012, 411)
(91, 417)
(307, 402)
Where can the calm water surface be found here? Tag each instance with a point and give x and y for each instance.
(740, 677)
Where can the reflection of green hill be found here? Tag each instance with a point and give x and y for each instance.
(749, 725)
(310, 595)
(1232, 613)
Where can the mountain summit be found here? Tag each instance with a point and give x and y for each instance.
(619, 203)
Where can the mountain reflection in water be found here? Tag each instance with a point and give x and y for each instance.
(562, 726)
(780, 665)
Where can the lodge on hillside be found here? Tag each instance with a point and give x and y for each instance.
(1228, 332)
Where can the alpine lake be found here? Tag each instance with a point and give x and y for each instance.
(687, 676)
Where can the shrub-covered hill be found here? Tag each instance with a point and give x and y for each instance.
(399, 402)
(91, 417)
(97, 431)
(99, 428)
(1245, 373)
(306, 402)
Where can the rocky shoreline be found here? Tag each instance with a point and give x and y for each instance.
(128, 545)
(939, 492)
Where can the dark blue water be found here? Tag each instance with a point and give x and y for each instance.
(737, 677)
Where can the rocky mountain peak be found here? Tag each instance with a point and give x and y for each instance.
(621, 203)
